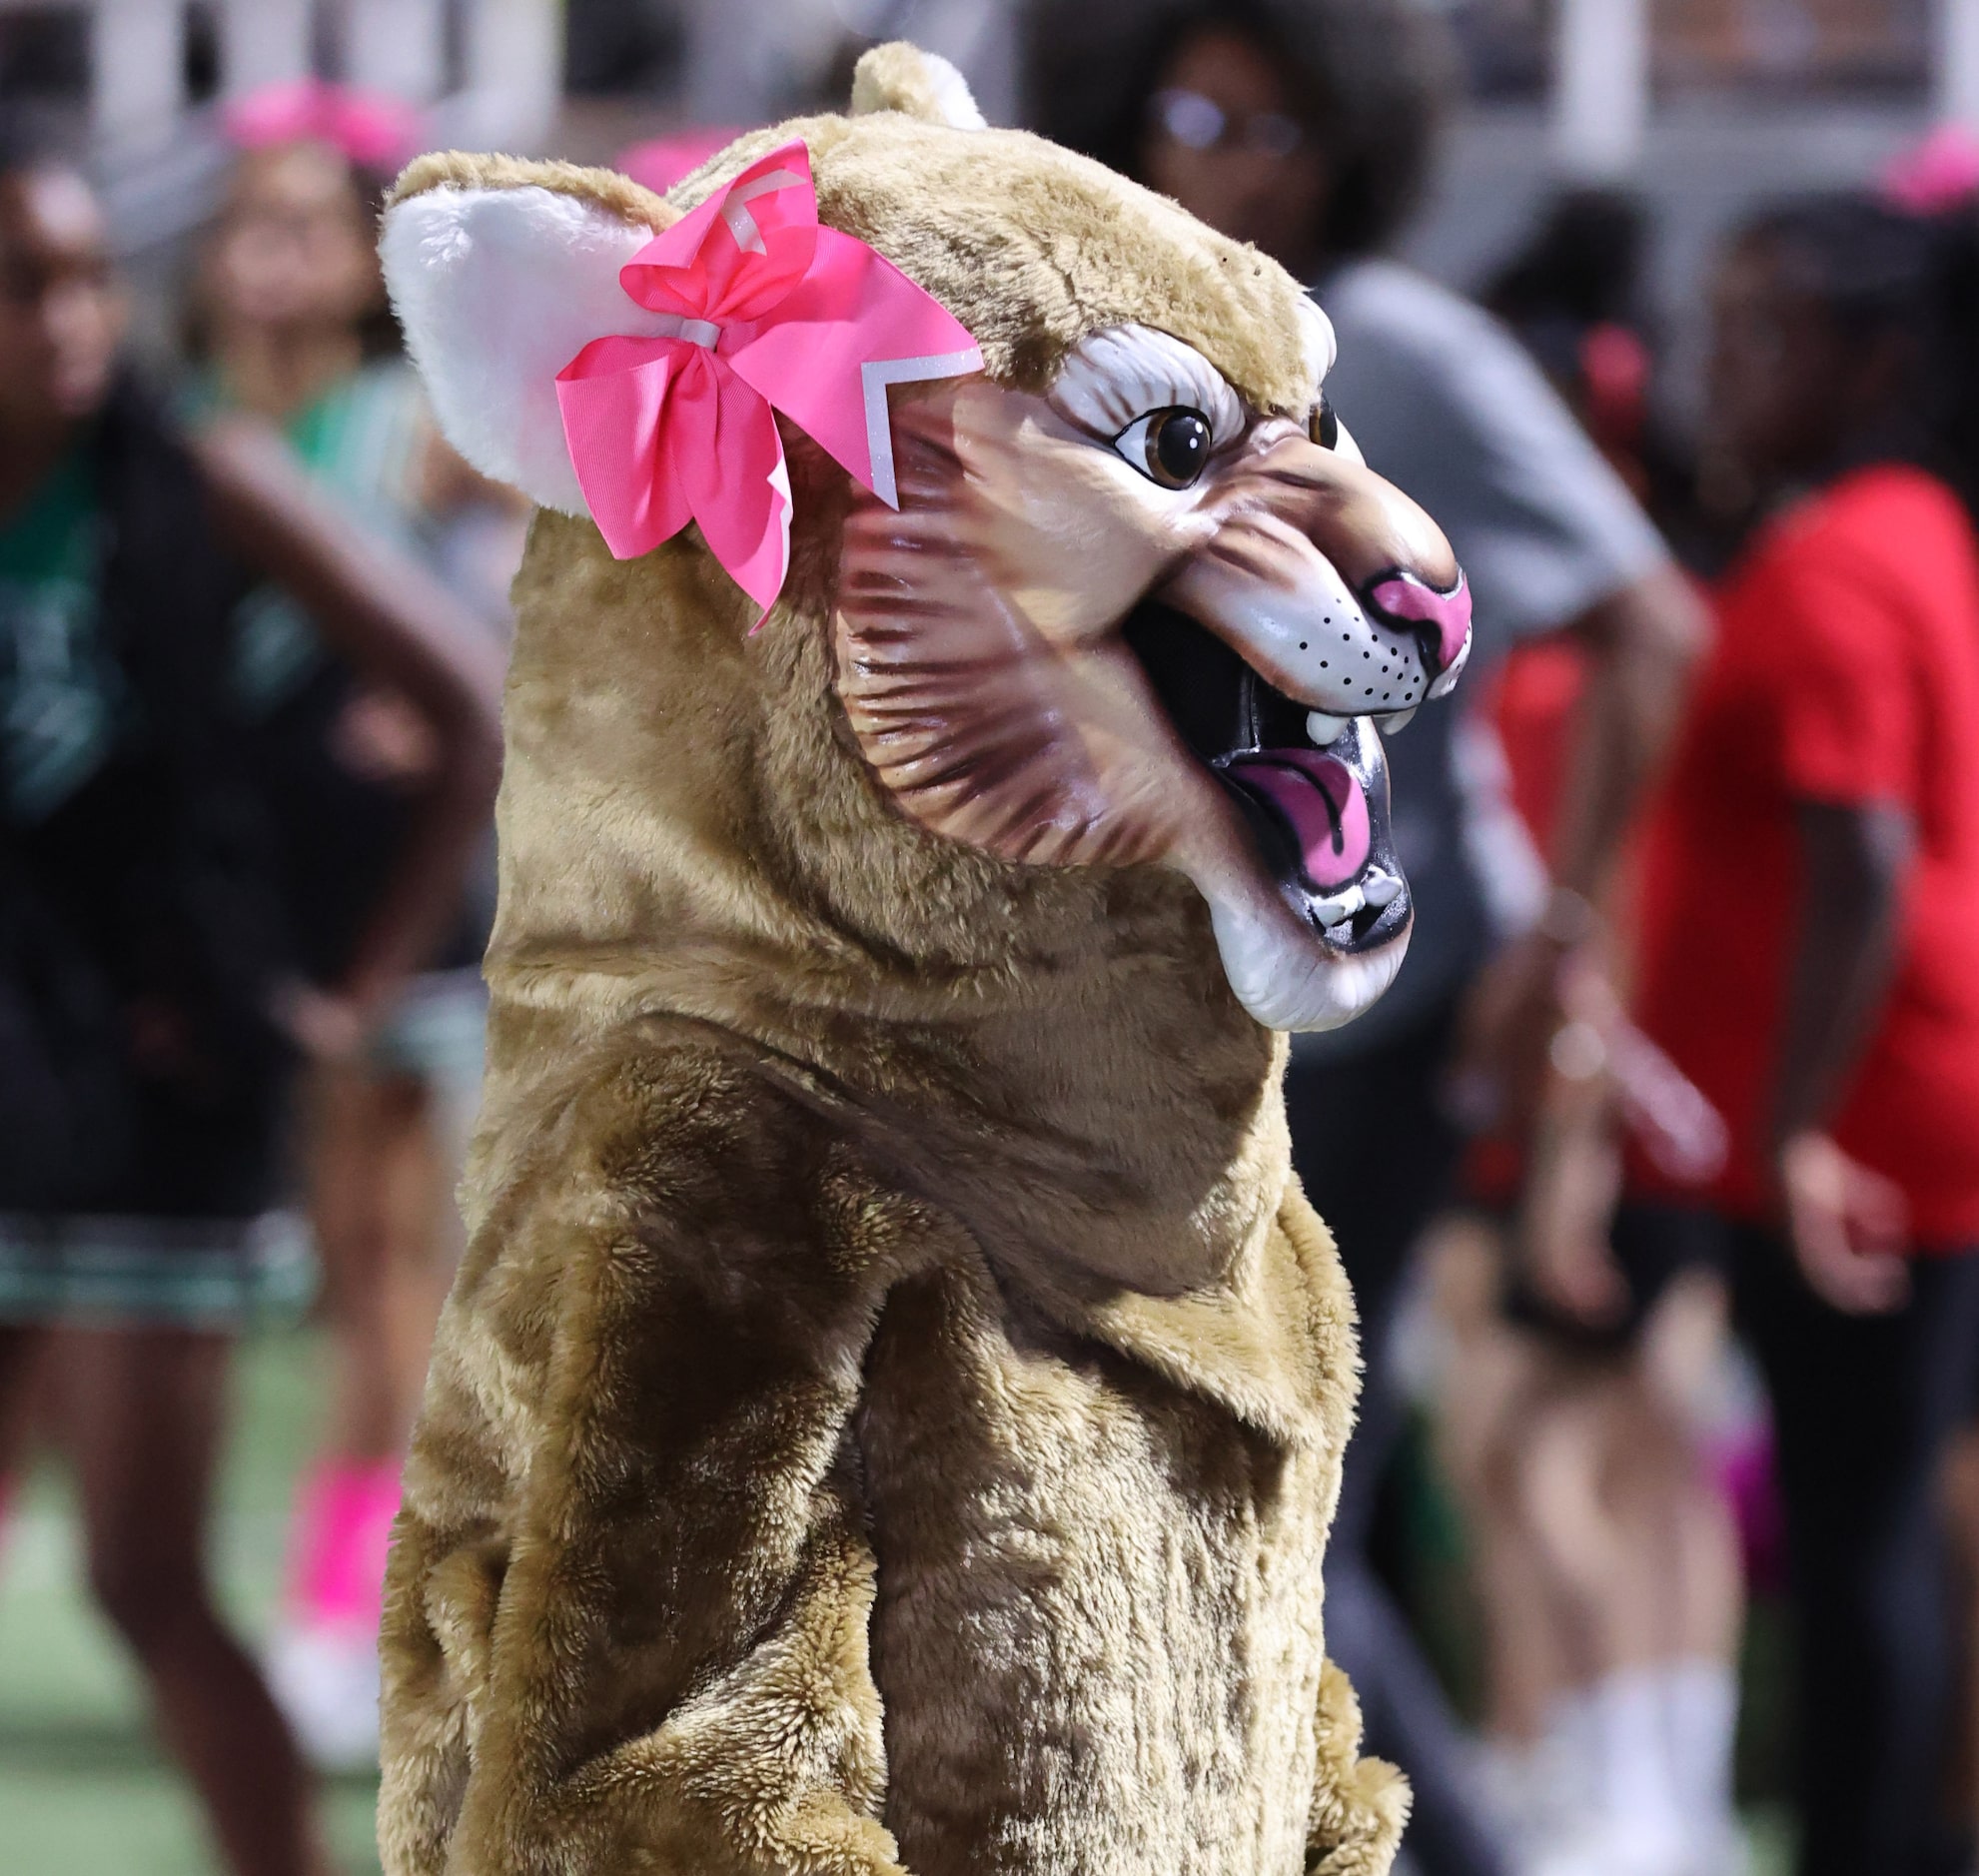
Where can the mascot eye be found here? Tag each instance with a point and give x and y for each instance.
(1326, 425)
(1170, 447)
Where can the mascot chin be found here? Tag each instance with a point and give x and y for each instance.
(889, 1414)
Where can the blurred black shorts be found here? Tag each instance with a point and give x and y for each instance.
(1653, 1244)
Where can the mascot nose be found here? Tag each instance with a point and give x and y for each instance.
(1387, 549)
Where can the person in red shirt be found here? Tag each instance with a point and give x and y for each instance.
(1809, 955)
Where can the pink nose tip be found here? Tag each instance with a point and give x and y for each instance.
(1402, 595)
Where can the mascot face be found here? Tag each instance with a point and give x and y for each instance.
(1128, 619)
(1140, 601)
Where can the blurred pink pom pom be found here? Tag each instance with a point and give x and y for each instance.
(372, 129)
(1748, 1476)
(660, 162)
(1940, 173)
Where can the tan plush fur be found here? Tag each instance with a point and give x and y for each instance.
(891, 1406)
(454, 168)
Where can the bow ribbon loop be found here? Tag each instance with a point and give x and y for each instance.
(748, 307)
(740, 252)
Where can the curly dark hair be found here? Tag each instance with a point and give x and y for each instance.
(1367, 80)
(1583, 261)
(1878, 272)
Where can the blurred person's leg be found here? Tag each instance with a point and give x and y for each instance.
(1961, 1501)
(392, 1141)
(22, 1350)
(1863, 1409)
(1532, 1641)
(1377, 1155)
(1689, 1529)
(1610, 1578)
(1679, 1596)
(1592, 1788)
(419, 1168)
(360, 1124)
(141, 1414)
(1484, 1398)
(390, 1136)
(445, 1058)
(323, 1660)
(1535, 1514)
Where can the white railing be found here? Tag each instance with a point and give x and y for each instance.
(1601, 92)
(510, 81)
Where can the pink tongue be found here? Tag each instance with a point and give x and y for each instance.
(1299, 783)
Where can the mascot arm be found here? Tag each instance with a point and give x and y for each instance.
(1359, 1805)
(627, 1622)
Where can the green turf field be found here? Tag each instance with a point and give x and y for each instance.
(83, 1792)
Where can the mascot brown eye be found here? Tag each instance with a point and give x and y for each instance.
(1325, 425)
(1177, 447)
(1170, 447)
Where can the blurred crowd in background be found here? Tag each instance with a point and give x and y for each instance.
(1658, 1172)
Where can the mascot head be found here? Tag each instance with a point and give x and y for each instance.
(1031, 480)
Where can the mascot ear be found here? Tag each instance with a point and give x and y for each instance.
(499, 285)
(900, 77)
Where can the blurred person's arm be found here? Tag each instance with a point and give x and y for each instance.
(1640, 643)
(1567, 1199)
(444, 482)
(1604, 1078)
(1848, 734)
(400, 628)
(1846, 1223)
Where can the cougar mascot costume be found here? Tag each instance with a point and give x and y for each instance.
(891, 1408)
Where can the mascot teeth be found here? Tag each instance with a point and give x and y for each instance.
(1338, 910)
(1323, 730)
(1380, 887)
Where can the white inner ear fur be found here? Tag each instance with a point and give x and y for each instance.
(1111, 377)
(952, 95)
(901, 77)
(498, 289)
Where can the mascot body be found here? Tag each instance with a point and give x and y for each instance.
(891, 1406)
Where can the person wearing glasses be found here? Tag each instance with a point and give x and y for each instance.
(1308, 131)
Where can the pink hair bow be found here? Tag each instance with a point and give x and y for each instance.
(369, 129)
(753, 308)
(660, 162)
(1934, 176)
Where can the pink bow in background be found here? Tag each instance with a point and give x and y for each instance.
(1934, 176)
(660, 162)
(372, 131)
(758, 310)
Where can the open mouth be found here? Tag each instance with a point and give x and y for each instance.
(1317, 814)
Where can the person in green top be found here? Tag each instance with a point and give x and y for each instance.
(149, 1004)
(63, 703)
